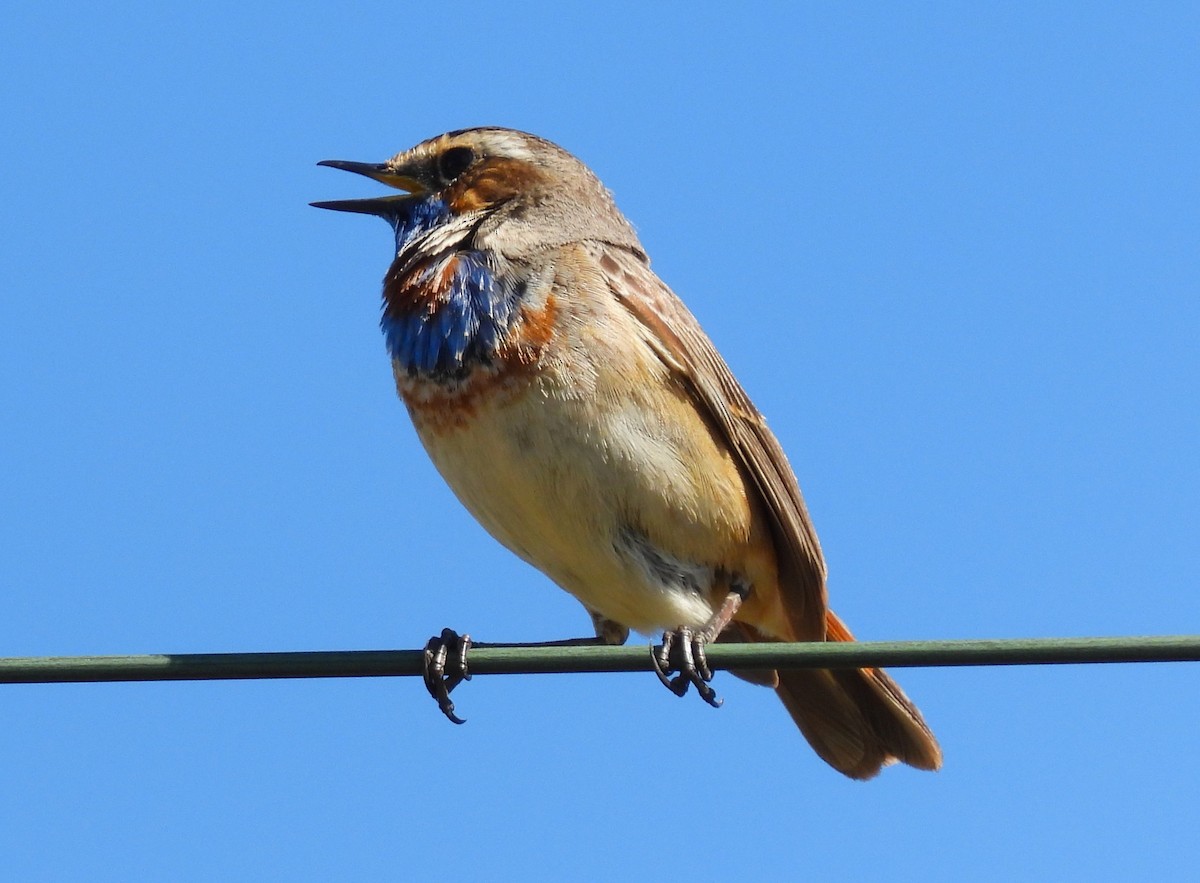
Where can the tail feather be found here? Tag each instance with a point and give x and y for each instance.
(857, 720)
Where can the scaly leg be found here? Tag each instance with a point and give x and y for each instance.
(446, 657)
(682, 650)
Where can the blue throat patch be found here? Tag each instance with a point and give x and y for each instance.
(468, 325)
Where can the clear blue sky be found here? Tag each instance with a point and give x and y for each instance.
(953, 254)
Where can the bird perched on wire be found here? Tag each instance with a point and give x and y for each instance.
(577, 409)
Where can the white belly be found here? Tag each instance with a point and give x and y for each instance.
(561, 491)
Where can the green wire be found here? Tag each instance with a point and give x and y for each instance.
(542, 660)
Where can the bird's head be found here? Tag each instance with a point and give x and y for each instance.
(502, 190)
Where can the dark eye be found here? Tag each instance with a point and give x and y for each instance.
(454, 162)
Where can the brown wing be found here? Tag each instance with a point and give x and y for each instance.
(685, 348)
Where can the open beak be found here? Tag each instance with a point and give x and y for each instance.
(381, 206)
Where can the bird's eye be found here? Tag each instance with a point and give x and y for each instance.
(454, 162)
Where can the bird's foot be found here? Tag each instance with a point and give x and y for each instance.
(682, 651)
(446, 668)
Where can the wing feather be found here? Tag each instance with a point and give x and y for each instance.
(683, 346)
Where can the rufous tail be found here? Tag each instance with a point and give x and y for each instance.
(858, 720)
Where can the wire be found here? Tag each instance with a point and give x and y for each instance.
(495, 659)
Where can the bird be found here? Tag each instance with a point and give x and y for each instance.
(576, 408)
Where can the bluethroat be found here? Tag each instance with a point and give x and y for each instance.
(577, 409)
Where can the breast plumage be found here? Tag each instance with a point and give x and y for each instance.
(443, 308)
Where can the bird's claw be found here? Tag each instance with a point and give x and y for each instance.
(446, 668)
(682, 651)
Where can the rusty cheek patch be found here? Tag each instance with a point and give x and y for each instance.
(493, 181)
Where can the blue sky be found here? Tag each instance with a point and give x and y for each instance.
(952, 253)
